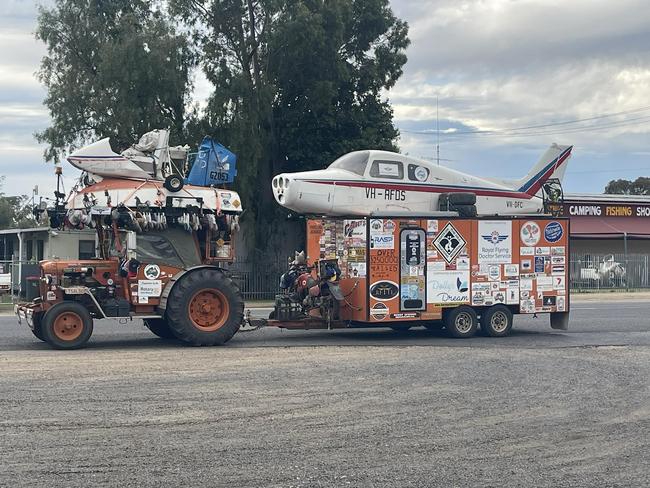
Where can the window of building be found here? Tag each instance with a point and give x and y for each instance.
(40, 249)
(86, 249)
(29, 250)
(387, 169)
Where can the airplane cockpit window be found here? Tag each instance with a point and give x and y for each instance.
(387, 169)
(354, 162)
(418, 173)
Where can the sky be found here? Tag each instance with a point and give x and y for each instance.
(479, 70)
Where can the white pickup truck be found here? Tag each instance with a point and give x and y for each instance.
(5, 283)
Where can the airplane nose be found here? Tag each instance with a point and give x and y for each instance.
(281, 188)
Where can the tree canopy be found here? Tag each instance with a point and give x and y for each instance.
(296, 83)
(15, 212)
(640, 186)
(113, 69)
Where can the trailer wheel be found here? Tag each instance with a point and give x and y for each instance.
(496, 321)
(38, 327)
(205, 308)
(159, 327)
(67, 325)
(461, 321)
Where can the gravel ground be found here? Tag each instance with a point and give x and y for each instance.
(318, 408)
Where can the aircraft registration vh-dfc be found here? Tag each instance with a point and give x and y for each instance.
(373, 182)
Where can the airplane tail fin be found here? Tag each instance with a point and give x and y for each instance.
(552, 164)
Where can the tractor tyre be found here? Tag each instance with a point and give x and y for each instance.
(174, 183)
(496, 321)
(159, 327)
(67, 325)
(205, 308)
(461, 321)
(38, 327)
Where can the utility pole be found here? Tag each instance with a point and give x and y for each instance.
(437, 133)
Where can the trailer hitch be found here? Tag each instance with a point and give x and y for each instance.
(250, 324)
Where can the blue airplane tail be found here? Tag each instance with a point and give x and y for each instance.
(214, 165)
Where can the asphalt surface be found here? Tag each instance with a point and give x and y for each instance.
(333, 408)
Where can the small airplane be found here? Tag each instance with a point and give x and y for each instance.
(374, 182)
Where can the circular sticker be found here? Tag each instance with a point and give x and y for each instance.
(421, 173)
(553, 232)
(384, 290)
(151, 271)
(379, 311)
(530, 233)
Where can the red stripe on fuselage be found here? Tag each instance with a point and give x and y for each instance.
(483, 192)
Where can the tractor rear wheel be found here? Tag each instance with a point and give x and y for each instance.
(205, 308)
(67, 325)
(159, 327)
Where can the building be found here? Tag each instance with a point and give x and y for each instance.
(22, 249)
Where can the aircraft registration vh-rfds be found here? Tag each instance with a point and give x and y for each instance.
(373, 182)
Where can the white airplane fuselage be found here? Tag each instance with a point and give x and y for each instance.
(391, 182)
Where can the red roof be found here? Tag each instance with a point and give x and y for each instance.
(608, 227)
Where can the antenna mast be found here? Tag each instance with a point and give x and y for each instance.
(437, 134)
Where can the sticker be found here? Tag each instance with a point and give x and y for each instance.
(382, 241)
(553, 232)
(376, 226)
(480, 286)
(559, 282)
(530, 233)
(110, 281)
(405, 315)
(421, 173)
(151, 271)
(539, 264)
(448, 287)
(449, 243)
(354, 228)
(436, 266)
(511, 270)
(142, 299)
(526, 264)
(478, 298)
(558, 251)
(495, 286)
(389, 226)
(51, 296)
(499, 297)
(357, 270)
(379, 311)
(494, 273)
(561, 303)
(558, 260)
(545, 282)
(558, 269)
(526, 284)
(525, 295)
(542, 251)
(548, 301)
(432, 226)
(495, 242)
(527, 251)
(527, 306)
(512, 296)
(462, 263)
(149, 288)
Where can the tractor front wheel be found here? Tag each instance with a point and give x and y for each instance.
(205, 308)
(67, 325)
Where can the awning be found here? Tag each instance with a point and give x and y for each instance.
(610, 227)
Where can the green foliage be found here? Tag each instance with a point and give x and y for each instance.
(113, 69)
(640, 186)
(15, 212)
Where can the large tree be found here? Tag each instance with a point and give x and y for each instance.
(640, 186)
(114, 68)
(16, 211)
(297, 83)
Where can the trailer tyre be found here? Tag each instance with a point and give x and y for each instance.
(461, 321)
(159, 327)
(205, 308)
(67, 325)
(496, 321)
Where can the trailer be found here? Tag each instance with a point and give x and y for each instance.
(435, 271)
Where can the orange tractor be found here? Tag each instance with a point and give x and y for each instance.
(159, 255)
